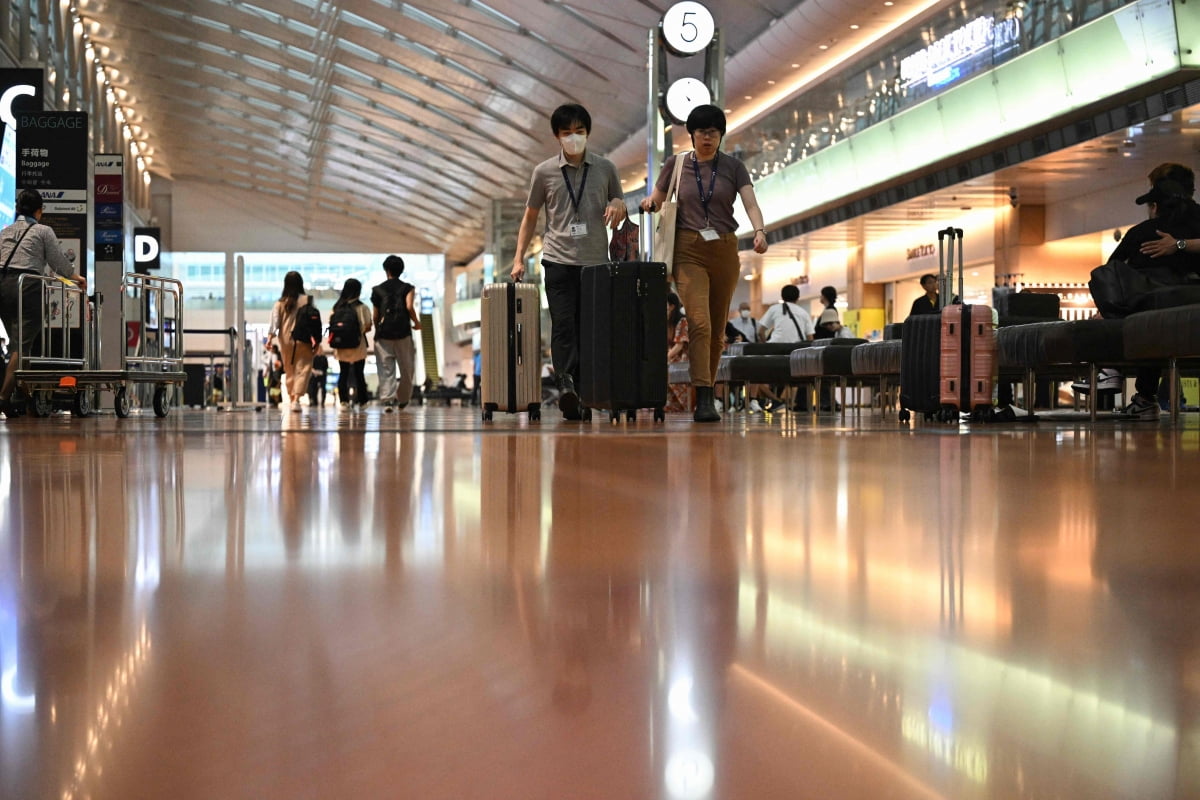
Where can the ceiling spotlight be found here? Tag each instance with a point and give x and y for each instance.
(823, 47)
(795, 66)
(853, 27)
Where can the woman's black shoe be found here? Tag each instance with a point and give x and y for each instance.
(706, 411)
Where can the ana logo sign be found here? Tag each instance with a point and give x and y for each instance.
(107, 163)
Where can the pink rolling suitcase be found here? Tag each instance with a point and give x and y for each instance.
(510, 350)
(968, 351)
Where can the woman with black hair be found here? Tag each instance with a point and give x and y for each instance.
(706, 265)
(297, 355)
(351, 382)
(680, 397)
(27, 248)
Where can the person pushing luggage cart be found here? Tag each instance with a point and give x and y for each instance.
(581, 193)
(27, 247)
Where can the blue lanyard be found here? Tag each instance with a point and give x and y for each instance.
(712, 183)
(575, 201)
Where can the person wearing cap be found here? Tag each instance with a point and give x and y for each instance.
(1174, 215)
(27, 247)
(1165, 244)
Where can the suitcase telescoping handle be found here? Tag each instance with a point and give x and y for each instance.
(946, 265)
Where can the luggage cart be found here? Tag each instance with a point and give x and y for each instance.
(62, 366)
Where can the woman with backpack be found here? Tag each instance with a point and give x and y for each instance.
(348, 326)
(292, 331)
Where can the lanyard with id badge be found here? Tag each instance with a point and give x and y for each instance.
(577, 228)
(709, 233)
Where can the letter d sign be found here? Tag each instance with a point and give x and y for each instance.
(146, 249)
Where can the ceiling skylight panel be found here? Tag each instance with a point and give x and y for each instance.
(262, 63)
(364, 23)
(416, 14)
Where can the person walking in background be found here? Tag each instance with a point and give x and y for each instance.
(27, 247)
(679, 395)
(296, 342)
(348, 325)
(316, 384)
(582, 194)
(395, 315)
(706, 264)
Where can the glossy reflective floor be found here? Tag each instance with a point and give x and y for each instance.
(266, 605)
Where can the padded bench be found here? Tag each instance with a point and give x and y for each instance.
(760, 362)
(877, 363)
(1060, 349)
(827, 358)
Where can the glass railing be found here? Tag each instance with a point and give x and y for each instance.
(964, 40)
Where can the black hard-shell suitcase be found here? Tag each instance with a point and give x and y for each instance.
(623, 337)
(920, 365)
(921, 348)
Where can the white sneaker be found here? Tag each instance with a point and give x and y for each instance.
(1107, 380)
(717, 405)
(296, 406)
(755, 407)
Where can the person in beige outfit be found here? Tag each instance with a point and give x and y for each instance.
(297, 356)
(352, 384)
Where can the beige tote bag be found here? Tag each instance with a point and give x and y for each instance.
(664, 234)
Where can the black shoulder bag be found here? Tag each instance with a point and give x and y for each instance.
(795, 321)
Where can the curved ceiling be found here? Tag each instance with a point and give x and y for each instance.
(379, 110)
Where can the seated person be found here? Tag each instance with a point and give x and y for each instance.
(1167, 247)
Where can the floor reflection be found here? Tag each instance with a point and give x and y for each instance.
(309, 610)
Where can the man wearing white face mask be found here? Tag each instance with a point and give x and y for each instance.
(582, 195)
(742, 328)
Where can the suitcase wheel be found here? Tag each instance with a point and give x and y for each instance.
(587, 414)
(660, 415)
(631, 415)
(535, 414)
(904, 415)
(487, 414)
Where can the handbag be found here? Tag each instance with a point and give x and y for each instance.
(664, 234)
(1117, 287)
(625, 241)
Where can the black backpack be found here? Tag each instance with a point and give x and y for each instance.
(393, 313)
(345, 331)
(308, 324)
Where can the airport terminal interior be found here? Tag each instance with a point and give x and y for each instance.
(207, 592)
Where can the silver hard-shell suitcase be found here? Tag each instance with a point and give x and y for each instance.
(510, 349)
